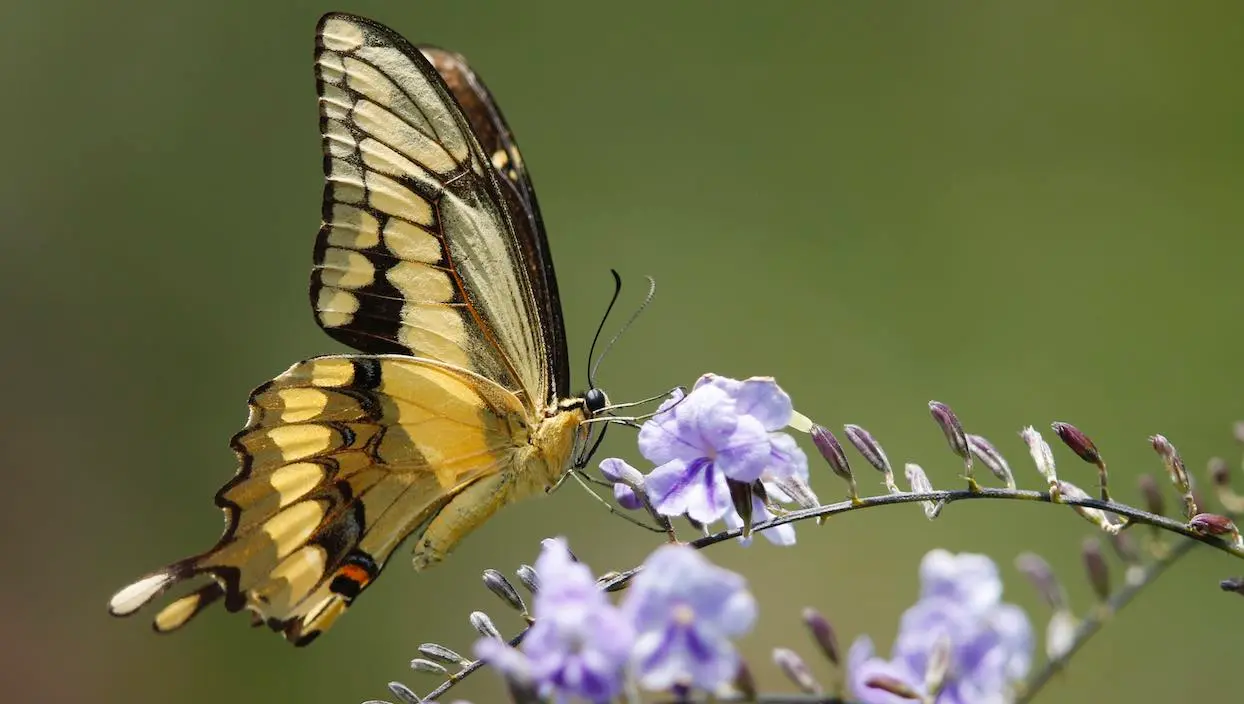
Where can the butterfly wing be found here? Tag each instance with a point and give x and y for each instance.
(498, 143)
(427, 248)
(431, 246)
(343, 457)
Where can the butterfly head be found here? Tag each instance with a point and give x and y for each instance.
(594, 407)
(595, 401)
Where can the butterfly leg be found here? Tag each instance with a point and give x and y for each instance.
(464, 513)
(612, 509)
(593, 480)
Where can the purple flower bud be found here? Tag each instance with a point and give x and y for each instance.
(626, 481)
(793, 666)
(1174, 465)
(436, 651)
(920, 484)
(1041, 454)
(741, 496)
(797, 490)
(484, 625)
(1041, 576)
(745, 683)
(1125, 547)
(1095, 567)
(867, 446)
(831, 450)
(871, 450)
(1212, 524)
(1154, 503)
(991, 458)
(1178, 473)
(822, 633)
(527, 576)
(404, 693)
(1109, 522)
(1079, 443)
(1060, 634)
(893, 685)
(617, 470)
(610, 583)
(951, 428)
(428, 666)
(499, 585)
(1232, 584)
(1219, 472)
(1084, 448)
(939, 666)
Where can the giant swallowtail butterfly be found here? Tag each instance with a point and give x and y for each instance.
(432, 262)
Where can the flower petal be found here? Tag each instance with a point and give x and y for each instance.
(626, 498)
(968, 578)
(509, 661)
(761, 398)
(612, 468)
(664, 437)
(786, 459)
(862, 665)
(696, 489)
(747, 453)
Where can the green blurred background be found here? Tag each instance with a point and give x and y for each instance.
(1030, 211)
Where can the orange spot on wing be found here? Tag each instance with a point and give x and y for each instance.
(355, 573)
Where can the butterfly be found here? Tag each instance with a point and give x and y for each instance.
(432, 262)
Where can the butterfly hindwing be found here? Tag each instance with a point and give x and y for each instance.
(344, 457)
(418, 252)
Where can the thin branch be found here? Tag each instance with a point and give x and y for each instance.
(1098, 617)
(1135, 515)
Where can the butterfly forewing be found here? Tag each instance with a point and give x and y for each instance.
(417, 254)
(498, 143)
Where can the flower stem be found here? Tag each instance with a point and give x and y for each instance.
(1135, 516)
(1097, 618)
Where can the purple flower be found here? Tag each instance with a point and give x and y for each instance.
(724, 429)
(960, 604)
(612, 469)
(580, 642)
(684, 610)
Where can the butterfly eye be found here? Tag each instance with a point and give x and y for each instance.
(595, 400)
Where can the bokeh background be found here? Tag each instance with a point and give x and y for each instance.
(1030, 211)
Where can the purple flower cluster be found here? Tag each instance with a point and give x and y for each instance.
(959, 638)
(723, 432)
(673, 628)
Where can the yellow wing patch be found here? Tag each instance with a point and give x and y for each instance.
(343, 458)
(417, 254)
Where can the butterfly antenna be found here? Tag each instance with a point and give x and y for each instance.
(652, 291)
(617, 291)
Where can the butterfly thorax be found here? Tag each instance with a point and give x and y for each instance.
(558, 433)
(554, 439)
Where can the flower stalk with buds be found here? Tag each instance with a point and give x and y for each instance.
(672, 627)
